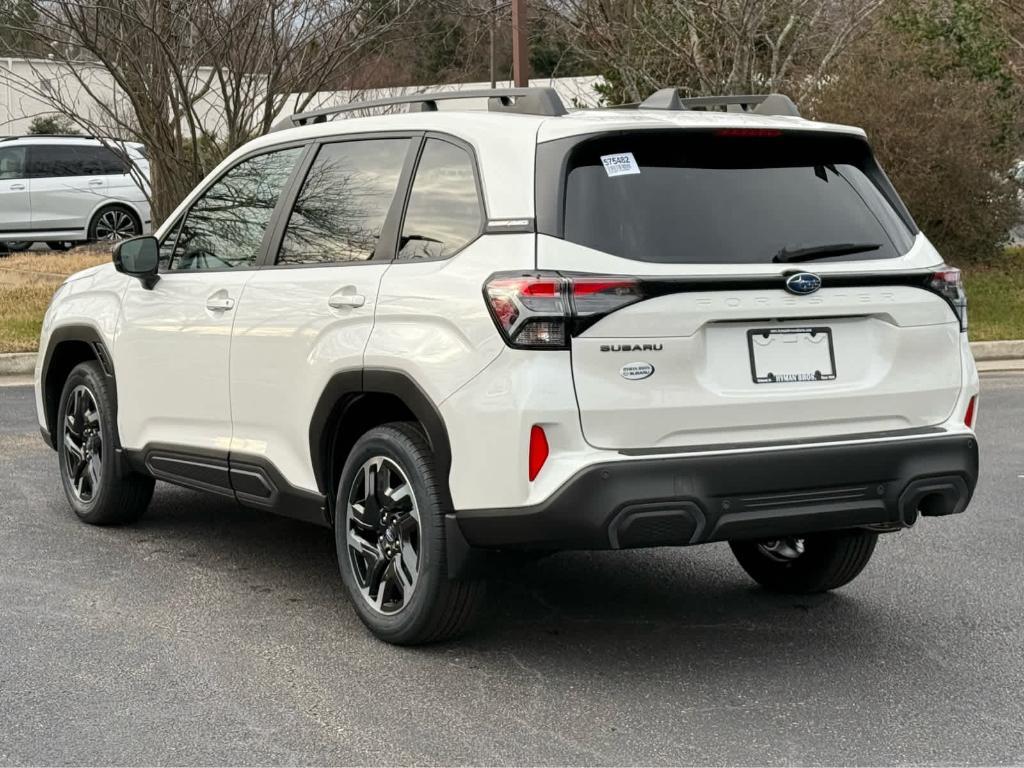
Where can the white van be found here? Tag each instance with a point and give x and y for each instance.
(63, 190)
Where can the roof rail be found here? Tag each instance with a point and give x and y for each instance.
(46, 136)
(525, 101)
(761, 104)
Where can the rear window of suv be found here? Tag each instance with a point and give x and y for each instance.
(721, 197)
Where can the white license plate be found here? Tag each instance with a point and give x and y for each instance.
(780, 355)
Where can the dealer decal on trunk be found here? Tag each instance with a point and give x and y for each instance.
(636, 371)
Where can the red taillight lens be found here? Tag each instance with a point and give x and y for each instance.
(538, 451)
(542, 311)
(598, 296)
(530, 311)
(948, 283)
(969, 416)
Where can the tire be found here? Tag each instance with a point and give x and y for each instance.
(828, 561)
(414, 601)
(59, 245)
(15, 246)
(113, 224)
(86, 435)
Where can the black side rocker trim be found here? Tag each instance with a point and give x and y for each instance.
(251, 480)
(756, 495)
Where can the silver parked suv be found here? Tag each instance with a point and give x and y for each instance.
(63, 190)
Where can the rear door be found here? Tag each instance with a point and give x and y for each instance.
(710, 346)
(15, 207)
(307, 315)
(68, 182)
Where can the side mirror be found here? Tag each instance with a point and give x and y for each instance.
(140, 258)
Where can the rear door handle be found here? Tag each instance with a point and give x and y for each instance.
(219, 304)
(95, 182)
(17, 186)
(341, 300)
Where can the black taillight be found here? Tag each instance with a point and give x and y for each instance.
(948, 283)
(544, 311)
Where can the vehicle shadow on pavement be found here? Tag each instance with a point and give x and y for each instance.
(603, 601)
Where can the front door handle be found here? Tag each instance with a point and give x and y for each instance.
(95, 182)
(350, 300)
(219, 304)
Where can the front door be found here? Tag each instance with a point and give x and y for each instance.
(174, 341)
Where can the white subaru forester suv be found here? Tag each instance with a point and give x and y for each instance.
(454, 334)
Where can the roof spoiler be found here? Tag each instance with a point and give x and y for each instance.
(761, 104)
(524, 101)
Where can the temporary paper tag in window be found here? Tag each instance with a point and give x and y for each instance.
(620, 165)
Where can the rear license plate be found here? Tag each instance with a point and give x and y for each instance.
(780, 355)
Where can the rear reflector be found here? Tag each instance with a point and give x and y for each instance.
(969, 416)
(538, 451)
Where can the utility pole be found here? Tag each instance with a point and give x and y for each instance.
(520, 47)
(493, 20)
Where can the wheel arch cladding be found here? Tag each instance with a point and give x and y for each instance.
(67, 347)
(354, 402)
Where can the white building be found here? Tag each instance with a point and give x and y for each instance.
(28, 85)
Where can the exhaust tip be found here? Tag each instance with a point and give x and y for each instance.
(935, 504)
(933, 497)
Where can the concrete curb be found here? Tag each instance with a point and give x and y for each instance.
(998, 350)
(22, 363)
(17, 363)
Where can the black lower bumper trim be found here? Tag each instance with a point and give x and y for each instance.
(760, 494)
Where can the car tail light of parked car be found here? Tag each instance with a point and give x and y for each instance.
(948, 283)
(543, 311)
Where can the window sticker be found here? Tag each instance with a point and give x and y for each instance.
(622, 164)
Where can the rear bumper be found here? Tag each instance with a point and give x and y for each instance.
(684, 500)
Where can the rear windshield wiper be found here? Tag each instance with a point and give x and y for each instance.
(824, 251)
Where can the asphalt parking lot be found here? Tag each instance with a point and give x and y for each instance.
(208, 634)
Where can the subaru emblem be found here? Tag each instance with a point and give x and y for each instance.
(803, 283)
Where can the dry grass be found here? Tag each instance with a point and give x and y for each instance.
(27, 282)
(995, 298)
(21, 315)
(54, 262)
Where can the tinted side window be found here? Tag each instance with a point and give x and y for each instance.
(100, 161)
(444, 212)
(55, 160)
(167, 246)
(341, 208)
(12, 163)
(224, 228)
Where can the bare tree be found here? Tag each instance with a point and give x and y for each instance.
(1012, 12)
(952, 160)
(195, 79)
(712, 46)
